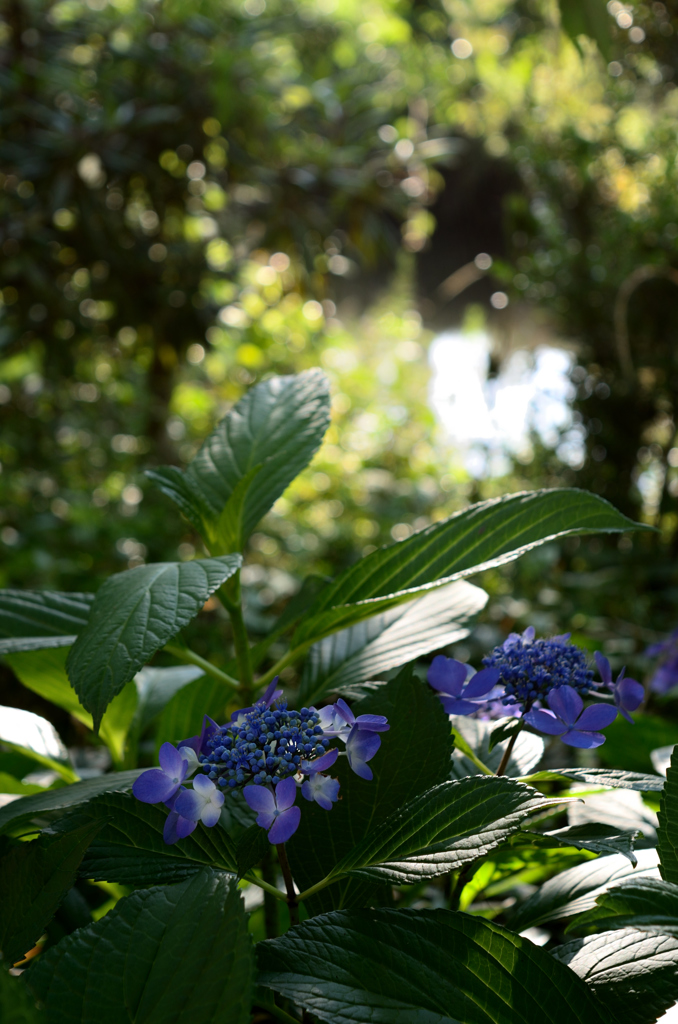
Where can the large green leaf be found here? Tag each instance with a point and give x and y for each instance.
(30, 619)
(594, 837)
(133, 615)
(32, 735)
(389, 640)
(44, 672)
(17, 1003)
(34, 878)
(182, 716)
(667, 833)
(173, 955)
(488, 534)
(602, 777)
(649, 904)
(130, 848)
(40, 807)
(576, 890)
(442, 829)
(414, 756)
(633, 973)
(421, 967)
(250, 458)
(157, 686)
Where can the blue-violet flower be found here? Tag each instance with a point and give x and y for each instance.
(461, 692)
(568, 720)
(627, 692)
(276, 810)
(531, 668)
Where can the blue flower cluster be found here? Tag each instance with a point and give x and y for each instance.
(263, 745)
(523, 674)
(269, 752)
(530, 668)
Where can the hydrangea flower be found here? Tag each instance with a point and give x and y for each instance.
(460, 692)
(568, 719)
(158, 785)
(530, 668)
(275, 807)
(627, 692)
(269, 751)
(666, 674)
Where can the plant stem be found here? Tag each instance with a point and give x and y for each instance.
(507, 754)
(461, 745)
(266, 886)
(322, 884)
(275, 1010)
(287, 659)
(292, 899)
(191, 658)
(270, 905)
(233, 604)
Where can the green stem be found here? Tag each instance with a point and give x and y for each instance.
(461, 744)
(275, 1010)
(191, 658)
(233, 604)
(322, 884)
(266, 886)
(292, 898)
(287, 659)
(507, 754)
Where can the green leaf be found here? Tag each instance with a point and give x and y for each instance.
(421, 967)
(526, 753)
(442, 829)
(506, 731)
(42, 806)
(34, 878)
(601, 777)
(251, 457)
(17, 1005)
(414, 756)
(31, 619)
(595, 837)
(32, 735)
(587, 18)
(667, 833)
(576, 890)
(156, 688)
(183, 715)
(252, 847)
(482, 536)
(649, 904)
(390, 640)
(173, 955)
(133, 615)
(44, 672)
(130, 848)
(9, 784)
(633, 973)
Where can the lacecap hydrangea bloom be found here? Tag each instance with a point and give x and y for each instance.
(665, 676)
(542, 680)
(267, 750)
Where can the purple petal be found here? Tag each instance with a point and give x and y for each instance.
(208, 732)
(171, 762)
(455, 706)
(566, 703)
(373, 723)
(193, 742)
(344, 711)
(545, 722)
(190, 805)
(626, 715)
(270, 694)
(204, 786)
(362, 745)
(169, 832)
(628, 694)
(481, 683)
(361, 769)
(320, 764)
(596, 717)
(603, 667)
(185, 826)
(266, 819)
(322, 789)
(285, 794)
(447, 674)
(259, 799)
(153, 786)
(285, 825)
(528, 634)
(584, 740)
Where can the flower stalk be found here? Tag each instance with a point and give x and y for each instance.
(292, 898)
